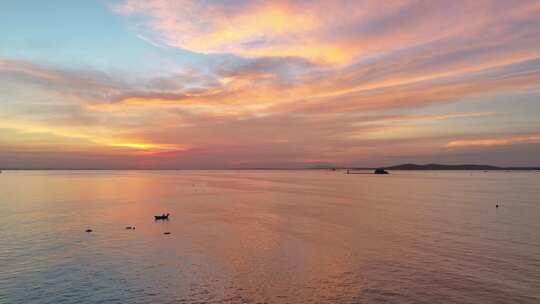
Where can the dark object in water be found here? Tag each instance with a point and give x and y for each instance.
(380, 171)
(161, 217)
(130, 227)
(497, 206)
(166, 232)
(88, 230)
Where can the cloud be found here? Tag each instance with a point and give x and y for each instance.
(325, 31)
(289, 83)
(83, 83)
(489, 142)
(250, 111)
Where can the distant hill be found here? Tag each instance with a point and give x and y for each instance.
(455, 167)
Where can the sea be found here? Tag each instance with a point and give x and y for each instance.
(269, 236)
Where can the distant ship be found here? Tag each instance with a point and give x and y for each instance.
(380, 171)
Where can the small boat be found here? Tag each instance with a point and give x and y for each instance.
(161, 217)
(88, 230)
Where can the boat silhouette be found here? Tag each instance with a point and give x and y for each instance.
(161, 217)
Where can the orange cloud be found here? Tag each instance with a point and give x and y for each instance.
(245, 31)
(494, 141)
(326, 31)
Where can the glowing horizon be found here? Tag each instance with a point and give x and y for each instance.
(221, 84)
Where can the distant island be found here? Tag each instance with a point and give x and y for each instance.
(426, 167)
(455, 167)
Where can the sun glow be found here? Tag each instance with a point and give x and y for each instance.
(92, 139)
(149, 148)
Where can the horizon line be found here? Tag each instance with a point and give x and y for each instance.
(493, 167)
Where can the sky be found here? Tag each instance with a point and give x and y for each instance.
(210, 84)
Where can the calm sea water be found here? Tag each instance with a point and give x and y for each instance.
(269, 237)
